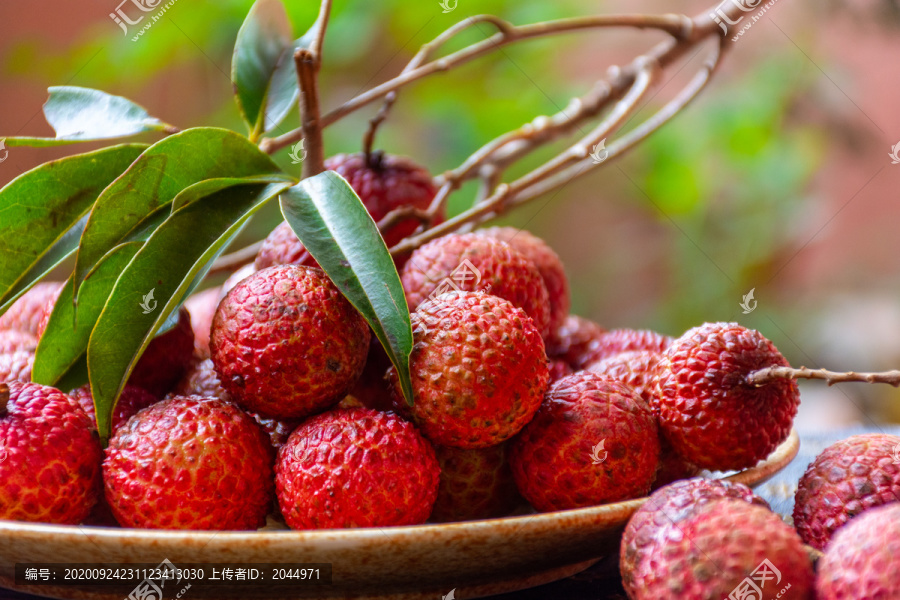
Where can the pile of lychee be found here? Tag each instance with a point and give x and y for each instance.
(272, 398)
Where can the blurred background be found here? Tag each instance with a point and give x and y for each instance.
(776, 179)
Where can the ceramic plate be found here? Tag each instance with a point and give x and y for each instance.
(475, 558)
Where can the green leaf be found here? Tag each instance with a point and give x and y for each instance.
(156, 177)
(172, 259)
(210, 186)
(37, 208)
(283, 89)
(82, 115)
(261, 46)
(65, 339)
(331, 221)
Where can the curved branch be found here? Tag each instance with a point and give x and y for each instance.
(680, 27)
(770, 374)
(545, 179)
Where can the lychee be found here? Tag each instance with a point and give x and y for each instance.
(356, 468)
(16, 366)
(559, 369)
(659, 520)
(472, 262)
(283, 247)
(25, 313)
(593, 441)
(13, 340)
(130, 401)
(475, 484)
(848, 478)
(708, 411)
(639, 370)
(861, 560)
(286, 343)
(626, 340)
(548, 265)
(574, 340)
(189, 463)
(727, 548)
(202, 380)
(478, 369)
(166, 358)
(50, 464)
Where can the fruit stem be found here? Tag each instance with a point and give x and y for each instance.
(4, 400)
(770, 374)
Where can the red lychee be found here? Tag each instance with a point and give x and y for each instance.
(26, 313)
(708, 411)
(202, 380)
(472, 263)
(861, 560)
(725, 549)
(166, 358)
(548, 265)
(13, 340)
(848, 478)
(50, 464)
(372, 390)
(593, 441)
(636, 369)
(574, 340)
(356, 468)
(659, 518)
(130, 401)
(189, 463)
(16, 366)
(283, 247)
(478, 370)
(286, 343)
(627, 340)
(559, 369)
(475, 484)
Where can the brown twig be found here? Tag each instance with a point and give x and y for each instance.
(678, 26)
(309, 112)
(770, 374)
(308, 62)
